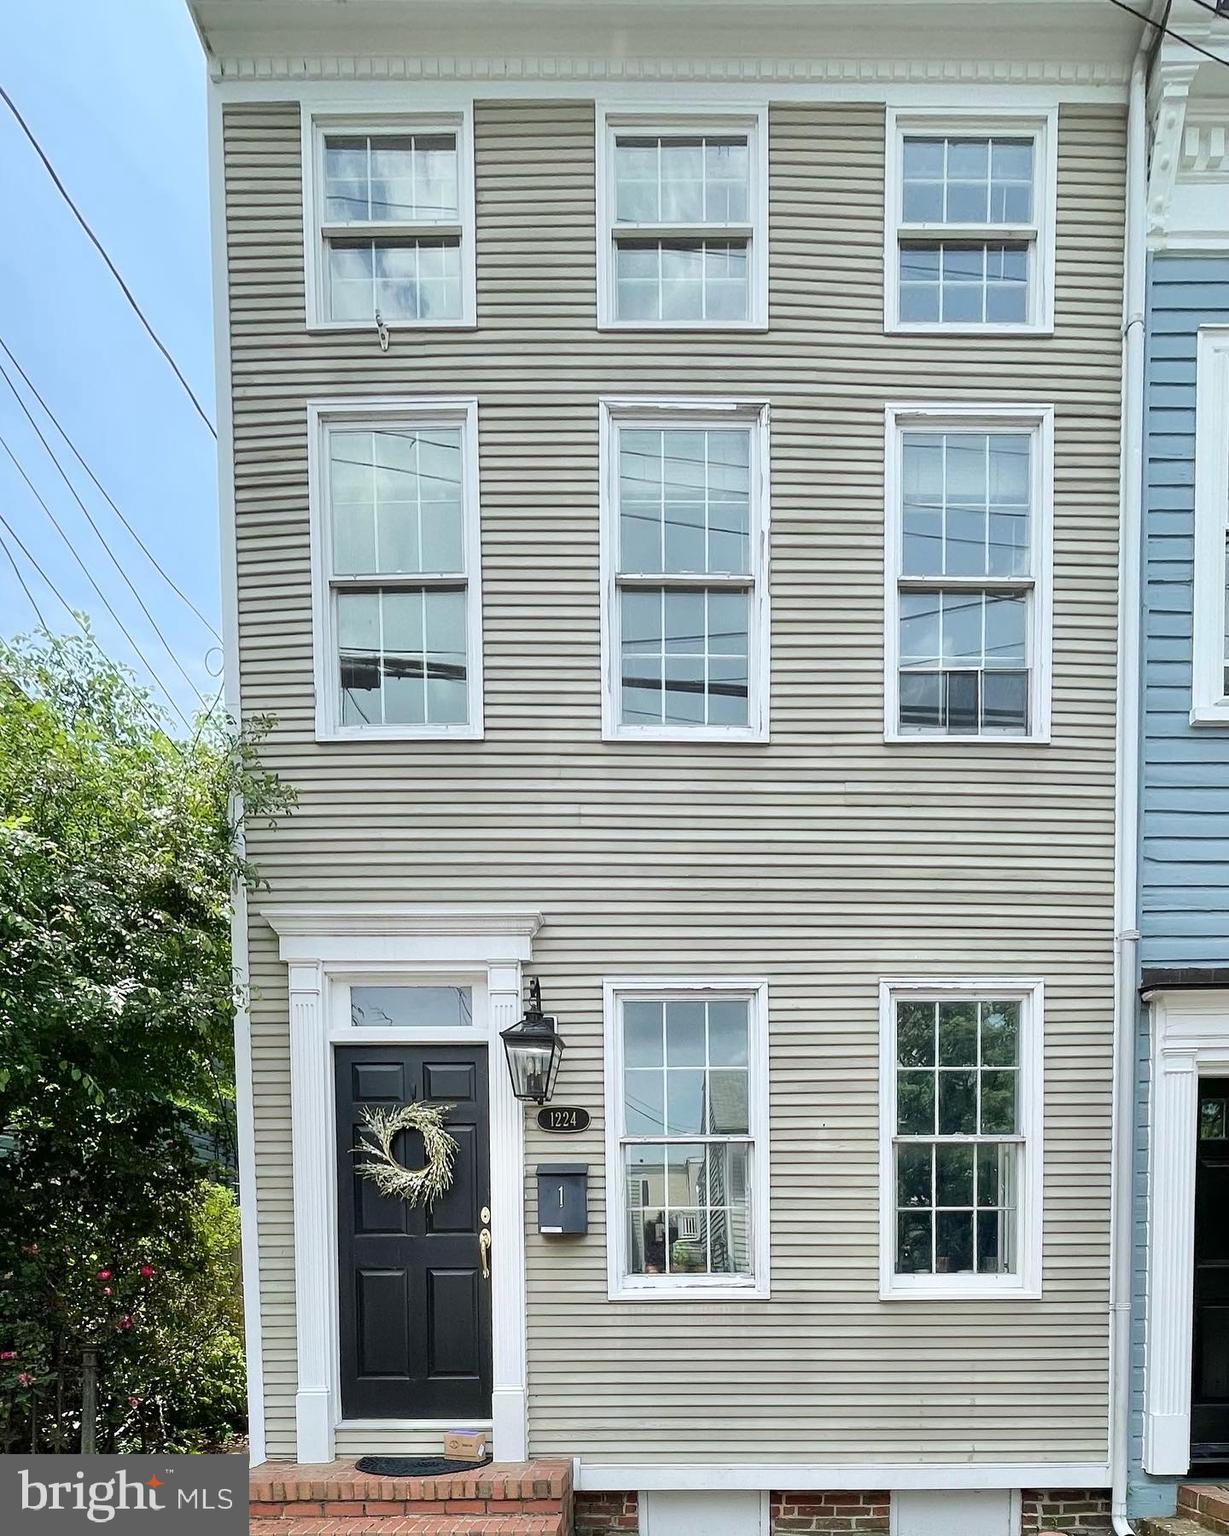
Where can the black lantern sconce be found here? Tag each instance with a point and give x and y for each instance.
(534, 1051)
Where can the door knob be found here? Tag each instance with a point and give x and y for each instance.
(484, 1252)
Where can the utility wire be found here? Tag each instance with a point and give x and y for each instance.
(1169, 32)
(102, 490)
(38, 612)
(153, 623)
(89, 577)
(101, 249)
(158, 725)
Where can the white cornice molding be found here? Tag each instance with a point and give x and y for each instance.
(319, 920)
(1205, 144)
(728, 71)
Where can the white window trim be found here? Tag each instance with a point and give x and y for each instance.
(929, 417)
(710, 117)
(1026, 1284)
(321, 415)
(314, 126)
(1209, 704)
(620, 1285)
(686, 413)
(1043, 127)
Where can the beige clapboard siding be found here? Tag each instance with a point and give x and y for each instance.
(822, 860)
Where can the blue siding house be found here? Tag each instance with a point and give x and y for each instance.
(1180, 1311)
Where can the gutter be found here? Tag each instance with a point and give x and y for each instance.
(1126, 808)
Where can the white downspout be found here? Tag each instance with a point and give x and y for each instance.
(1127, 788)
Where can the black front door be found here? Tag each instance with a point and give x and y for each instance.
(415, 1308)
(1210, 1372)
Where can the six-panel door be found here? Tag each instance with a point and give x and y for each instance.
(414, 1304)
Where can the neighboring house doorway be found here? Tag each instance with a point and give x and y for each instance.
(414, 1292)
(1210, 1358)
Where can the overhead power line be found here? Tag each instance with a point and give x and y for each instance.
(105, 494)
(38, 612)
(102, 596)
(153, 623)
(102, 251)
(1169, 32)
(84, 628)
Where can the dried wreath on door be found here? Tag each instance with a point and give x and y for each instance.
(419, 1186)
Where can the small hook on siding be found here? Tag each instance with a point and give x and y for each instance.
(381, 331)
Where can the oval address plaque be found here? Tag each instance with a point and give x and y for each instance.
(563, 1117)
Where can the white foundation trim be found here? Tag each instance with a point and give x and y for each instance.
(1190, 1038)
(787, 1476)
(327, 949)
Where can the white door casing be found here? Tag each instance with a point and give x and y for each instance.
(1190, 1039)
(328, 947)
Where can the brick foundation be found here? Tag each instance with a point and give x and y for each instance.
(829, 1513)
(1078, 1512)
(606, 1514)
(1072, 1510)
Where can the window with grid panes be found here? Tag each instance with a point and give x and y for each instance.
(957, 1142)
(971, 227)
(682, 226)
(686, 1142)
(398, 573)
(966, 582)
(687, 569)
(391, 226)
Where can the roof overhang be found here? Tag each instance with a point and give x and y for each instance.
(1077, 40)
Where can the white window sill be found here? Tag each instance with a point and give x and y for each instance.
(930, 328)
(713, 733)
(364, 327)
(929, 739)
(1211, 714)
(400, 733)
(657, 326)
(688, 1289)
(958, 1288)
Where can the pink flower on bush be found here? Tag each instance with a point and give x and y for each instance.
(104, 1274)
(123, 1324)
(134, 1402)
(147, 1271)
(24, 1379)
(8, 1354)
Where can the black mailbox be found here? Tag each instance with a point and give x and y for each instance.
(563, 1199)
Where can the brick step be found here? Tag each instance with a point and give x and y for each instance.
(338, 1488)
(1206, 1504)
(411, 1525)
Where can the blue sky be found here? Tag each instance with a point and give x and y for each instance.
(114, 90)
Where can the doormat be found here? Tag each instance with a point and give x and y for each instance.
(416, 1466)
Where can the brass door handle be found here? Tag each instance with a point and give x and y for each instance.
(484, 1252)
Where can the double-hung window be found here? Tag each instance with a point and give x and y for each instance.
(687, 1137)
(1210, 672)
(968, 561)
(685, 582)
(396, 572)
(970, 223)
(960, 1188)
(390, 229)
(683, 220)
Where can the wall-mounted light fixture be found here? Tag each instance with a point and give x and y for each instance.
(534, 1050)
